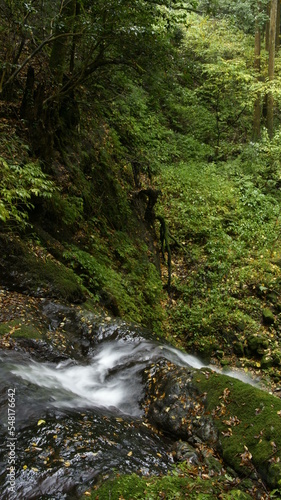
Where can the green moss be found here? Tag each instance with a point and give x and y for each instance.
(27, 266)
(256, 425)
(268, 316)
(131, 290)
(257, 343)
(20, 330)
(177, 485)
(53, 276)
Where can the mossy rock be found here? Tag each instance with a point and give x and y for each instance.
(267, 361)
(20, 330)
(257, 344)
(33, 271)
(238, 348)
(268, 316)
(50, 277)
(225, 362)
(249, 424)
(276, 356)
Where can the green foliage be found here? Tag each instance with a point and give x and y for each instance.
(19, 186)
(131, 290)
(222, 68)
(67, 209)
(242, 13)
(226, 222)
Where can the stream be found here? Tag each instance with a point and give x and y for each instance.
(79, 419)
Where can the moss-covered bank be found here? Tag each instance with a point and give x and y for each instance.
(249, 424)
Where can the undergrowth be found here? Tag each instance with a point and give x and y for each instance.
(226, 273)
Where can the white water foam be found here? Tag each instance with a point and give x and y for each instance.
(111, 379)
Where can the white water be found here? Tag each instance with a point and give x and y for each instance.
(112, 377)
(183, 359)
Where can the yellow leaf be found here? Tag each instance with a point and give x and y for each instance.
(67, 464)
(34, 469)
(130, 453)
(24, 467)
(40, 422)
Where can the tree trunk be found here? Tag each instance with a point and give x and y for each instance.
(267, 26)
(257, 65)
(277, 41)
(271, 62)
(61, 48)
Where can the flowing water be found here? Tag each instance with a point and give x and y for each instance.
(79, 419)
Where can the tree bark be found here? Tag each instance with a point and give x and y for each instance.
(61, 48)
(271, 63)
(277, 41)
(257, 66)
(267, 26)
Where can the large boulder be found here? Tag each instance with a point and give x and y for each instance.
(175, 405)
(239, 420)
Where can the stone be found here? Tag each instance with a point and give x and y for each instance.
(257, 344)
(176, 406)
(268, 316)
(184, 452)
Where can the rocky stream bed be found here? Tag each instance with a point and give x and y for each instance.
(92, 396)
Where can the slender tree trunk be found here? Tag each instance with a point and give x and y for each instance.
(277, 41)
(61, 49)
(267, 26)
(257, 65)
(73, 46)
(271, 62)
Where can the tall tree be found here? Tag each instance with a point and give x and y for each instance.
(257, 66)
(277, 43)
(61, 45)
(271, 64)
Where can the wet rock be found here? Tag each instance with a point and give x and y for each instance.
(184, 452)
(43, 351)
(175, 405)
